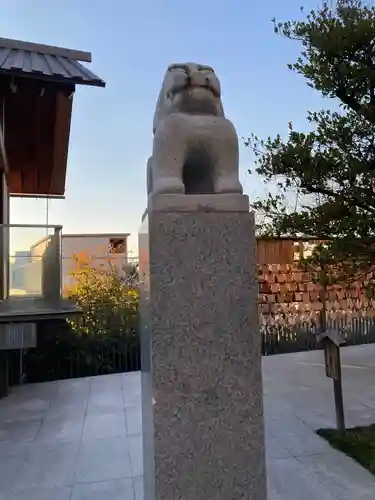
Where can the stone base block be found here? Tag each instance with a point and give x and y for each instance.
(203, 437)
(198, 202)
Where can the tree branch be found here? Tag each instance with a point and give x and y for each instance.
(355, 201)
(349, 101)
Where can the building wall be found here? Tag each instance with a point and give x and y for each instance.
(26, 270)
(96, 247)
(17, 273)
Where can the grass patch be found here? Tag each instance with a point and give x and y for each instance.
(358, 443)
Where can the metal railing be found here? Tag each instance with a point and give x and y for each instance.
(30, 261)
(302, 335)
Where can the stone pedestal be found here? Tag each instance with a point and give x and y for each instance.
(201, 352)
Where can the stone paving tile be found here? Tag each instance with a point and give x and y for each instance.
(288, 480)
(106, 384)
(60, 428)
(131, 390)
(104, 425)
(121, 489)
(16, 408)
(18, 432)
(45, 466)
(72, 409)
(104, 403)
(274, 449)
(136, 455)
(317, 420)
(138, 487)
(304, 443)
(9, 472)
(340, 475)
(364, 416)
(103, 460)
(133, 421)
(82, 438)
(63, 493)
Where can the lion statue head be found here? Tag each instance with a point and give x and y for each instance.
(189, 88)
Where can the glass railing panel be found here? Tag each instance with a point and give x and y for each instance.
(31, 260)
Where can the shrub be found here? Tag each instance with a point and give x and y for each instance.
(104, 339)
(108, 297)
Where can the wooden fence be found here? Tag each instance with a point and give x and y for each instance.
(289, 300)
(283, 250)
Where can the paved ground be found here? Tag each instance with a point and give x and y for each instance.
(81, 439)
(298, 399)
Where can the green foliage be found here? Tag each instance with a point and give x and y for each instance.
(331, 170)
(108, 298)
(358, 443)
(105, 339)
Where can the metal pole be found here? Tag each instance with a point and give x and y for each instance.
(58, 263)
(4, 213)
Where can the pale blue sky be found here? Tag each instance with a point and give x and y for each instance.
(131, 44)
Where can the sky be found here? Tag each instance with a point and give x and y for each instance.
(132, 43)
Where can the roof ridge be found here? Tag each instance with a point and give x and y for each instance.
(58, 68)
(78, 55)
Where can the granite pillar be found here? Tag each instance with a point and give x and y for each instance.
(201, 352)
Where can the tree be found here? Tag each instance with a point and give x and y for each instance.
(331, 169)
(108, 297)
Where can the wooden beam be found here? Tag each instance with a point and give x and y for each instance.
(19, 136)
(37, 195)
(32, 162)
(61, 142)
(4, 166)
(15, 181)
(78, 55)
(37, 139)
(45, 120)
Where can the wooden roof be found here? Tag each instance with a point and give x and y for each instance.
(46, 62)
(37, 84)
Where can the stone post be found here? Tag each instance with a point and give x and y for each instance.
(202, 410)
(201, 350)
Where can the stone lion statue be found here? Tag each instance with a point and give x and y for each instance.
(195, 149)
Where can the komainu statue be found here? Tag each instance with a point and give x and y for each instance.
(195, 148)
